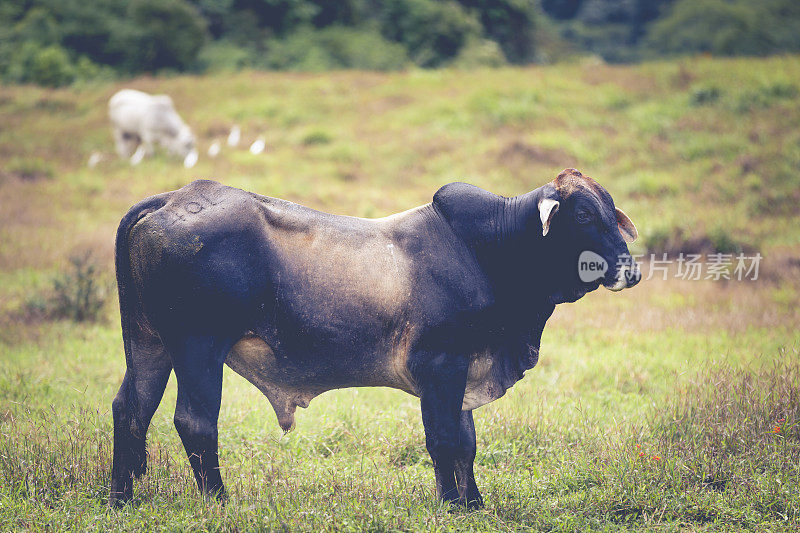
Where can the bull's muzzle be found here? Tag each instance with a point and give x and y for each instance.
(628, 275)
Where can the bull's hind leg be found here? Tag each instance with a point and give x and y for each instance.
(198, 365)
(133, 408)
(468, 492)
(125, 143)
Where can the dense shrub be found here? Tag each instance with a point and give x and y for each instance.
(715, 26)
(54, 42)
(704, 96)
(77, 293)
(480, 53)
(432, 32)
(168, 34)
(43, 65)
(334, 47)
(624, 30)
(223, 55)
(512, 24)
(609, 28)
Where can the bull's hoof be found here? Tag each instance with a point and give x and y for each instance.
(219, 496)
(475, 504)
(121, 493)
(462, 504)
(116, 501)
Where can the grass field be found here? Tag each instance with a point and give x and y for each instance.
(672, 406)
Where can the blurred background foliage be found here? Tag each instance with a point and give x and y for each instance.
(58, 42)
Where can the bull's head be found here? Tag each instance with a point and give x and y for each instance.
(182, 144)
(587, 237)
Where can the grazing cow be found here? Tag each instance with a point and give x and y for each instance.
(446, 301)
(141, 121)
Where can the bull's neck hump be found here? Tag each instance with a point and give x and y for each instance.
(482, 219)
(514, 216)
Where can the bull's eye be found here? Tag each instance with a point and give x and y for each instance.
(583, 216)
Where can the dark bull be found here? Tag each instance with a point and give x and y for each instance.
(446, 301)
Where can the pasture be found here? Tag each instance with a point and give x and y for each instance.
(673, 405)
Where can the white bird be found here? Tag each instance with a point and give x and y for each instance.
(234, 136)
(214, 149)
(191, 159)
(258, 146)
(94, 159)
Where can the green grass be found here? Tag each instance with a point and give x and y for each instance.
(696, 374)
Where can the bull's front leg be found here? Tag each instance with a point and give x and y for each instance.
(441, 381)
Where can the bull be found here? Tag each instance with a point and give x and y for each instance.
(141, 121)
(446, 301)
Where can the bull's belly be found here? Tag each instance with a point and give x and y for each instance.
(289, 384)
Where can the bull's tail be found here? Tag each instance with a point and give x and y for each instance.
(131, 417)
(129, 307)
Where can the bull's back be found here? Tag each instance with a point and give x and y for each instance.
(136, 111)
(318, 283)
(127, 107)
(333, 269)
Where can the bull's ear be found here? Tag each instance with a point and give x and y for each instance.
(626, 227)
(547, 208)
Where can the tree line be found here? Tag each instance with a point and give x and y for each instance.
(55, 42)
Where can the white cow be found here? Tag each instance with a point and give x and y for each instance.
(141, 121)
